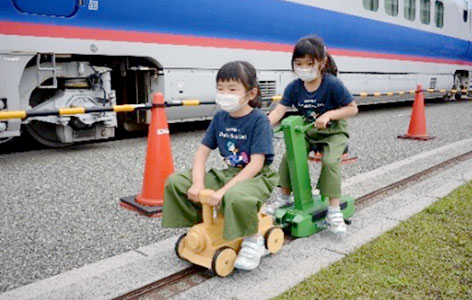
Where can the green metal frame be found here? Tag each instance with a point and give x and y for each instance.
(307, 215)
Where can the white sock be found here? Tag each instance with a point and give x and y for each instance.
(255, 237)
(334, 209)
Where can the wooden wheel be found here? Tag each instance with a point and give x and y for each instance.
(179, 246)
(223, 261)
(274, 239)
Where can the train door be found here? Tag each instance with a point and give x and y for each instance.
(55, 8)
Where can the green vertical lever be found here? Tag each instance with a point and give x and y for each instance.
(297, 161)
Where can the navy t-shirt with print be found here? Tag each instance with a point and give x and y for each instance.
(238, 138)
(331, 94)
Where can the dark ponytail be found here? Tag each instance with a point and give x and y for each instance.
(314, 47)
(243, 72)
(330, 66)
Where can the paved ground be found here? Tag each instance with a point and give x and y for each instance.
(117, 275)
(60, 207)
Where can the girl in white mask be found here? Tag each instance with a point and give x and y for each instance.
(243, 136)
(322, 98)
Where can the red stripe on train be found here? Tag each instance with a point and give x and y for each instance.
(42, 30)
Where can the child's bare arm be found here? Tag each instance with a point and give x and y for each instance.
(277, 114)
(344, 112)
(198, 172)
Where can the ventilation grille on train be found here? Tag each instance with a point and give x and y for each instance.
(267, 91)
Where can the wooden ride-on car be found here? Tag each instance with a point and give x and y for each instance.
(204, 245)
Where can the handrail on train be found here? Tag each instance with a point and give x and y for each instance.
(24, 114)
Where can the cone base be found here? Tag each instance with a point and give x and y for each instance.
(156, 200)
(414, 137)
(149, 211)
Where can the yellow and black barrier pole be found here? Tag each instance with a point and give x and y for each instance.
(25, 114)
(411, 92)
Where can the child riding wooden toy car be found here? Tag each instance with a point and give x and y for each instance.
(204, 245)
(243, 136)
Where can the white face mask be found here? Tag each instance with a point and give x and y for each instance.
(229, 102)
(308, 74)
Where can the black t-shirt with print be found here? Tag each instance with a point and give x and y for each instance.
(331, 94)
(238, 138)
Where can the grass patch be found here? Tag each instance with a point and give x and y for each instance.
(428, 256)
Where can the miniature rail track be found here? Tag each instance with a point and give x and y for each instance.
(194, 275)
(408, 181)
(170, 285)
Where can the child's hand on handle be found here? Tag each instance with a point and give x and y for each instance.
(194, 191)
(322, 122)
(215, 198)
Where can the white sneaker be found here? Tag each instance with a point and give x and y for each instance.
(252, 249)
(335, 220)
(282, 200)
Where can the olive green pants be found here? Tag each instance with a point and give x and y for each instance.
(240, 204)
(332, 142)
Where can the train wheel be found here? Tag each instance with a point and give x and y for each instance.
(274, 239)
(179, 246)
(45, 134)
(223, 261)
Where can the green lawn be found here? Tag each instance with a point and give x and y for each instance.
(429, 256)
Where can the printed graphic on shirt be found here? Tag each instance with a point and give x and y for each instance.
(238, 138)
(236, 158)
(232, 133)
(311, 108)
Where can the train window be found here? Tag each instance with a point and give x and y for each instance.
(54, 8)
(425, 11)
(439, 16)
(372, 5)
(409, 9)
(466, 7)
(391, 7)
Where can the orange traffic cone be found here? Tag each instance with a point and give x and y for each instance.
(159, 164)
(417, 129)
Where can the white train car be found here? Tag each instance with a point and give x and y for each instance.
(68, 53)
